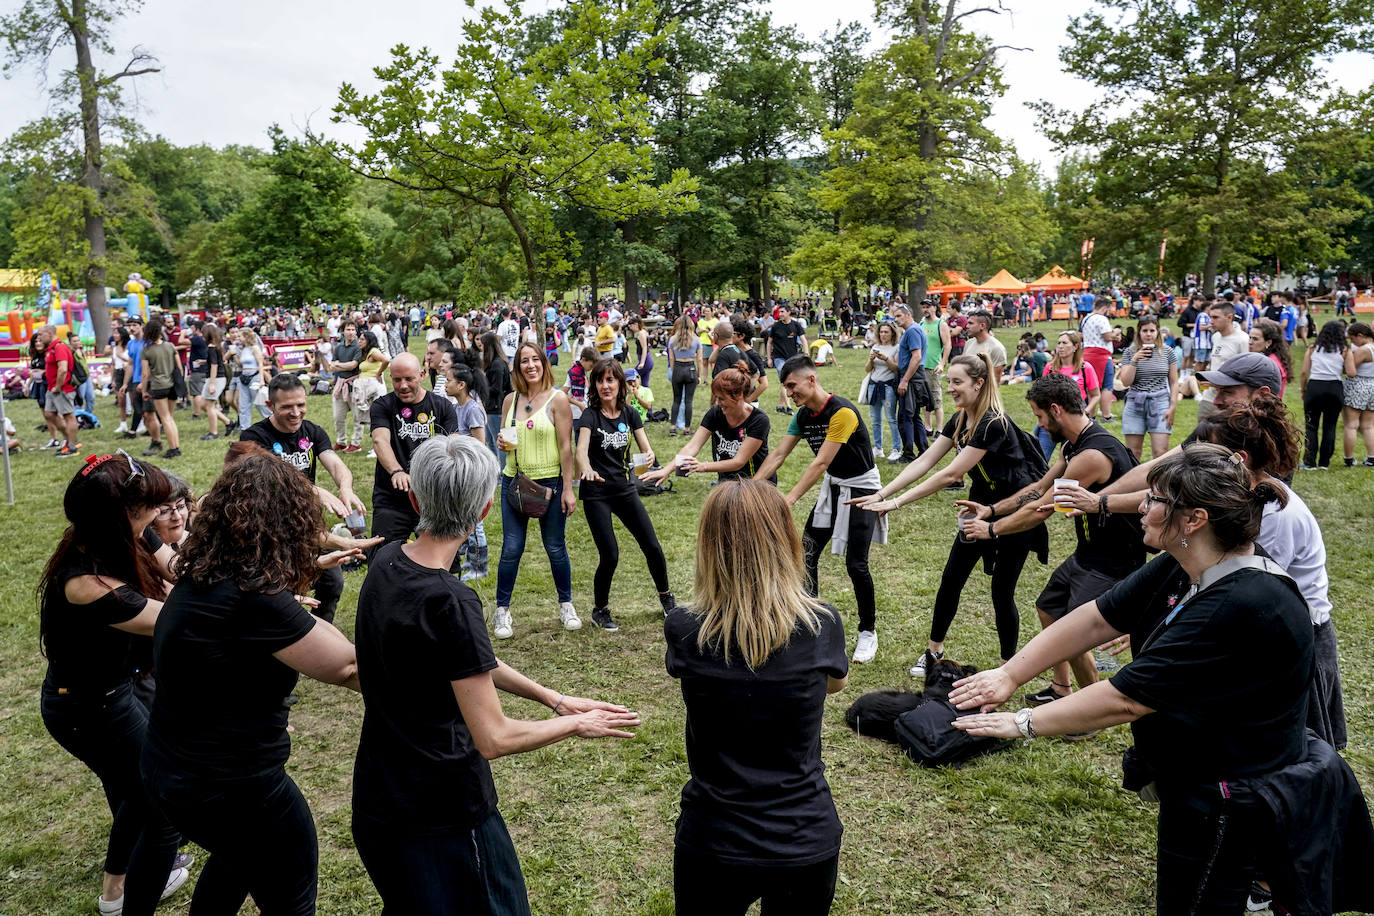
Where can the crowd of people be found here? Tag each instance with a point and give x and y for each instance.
(175, 637)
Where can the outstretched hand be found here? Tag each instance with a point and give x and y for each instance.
(989, 725)
(605, 723)
(986, 690)
(571, 706)
(337, 558)
(976, 510)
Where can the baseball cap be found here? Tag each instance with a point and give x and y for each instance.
(1254, 370)
(631, 375)
(603, 314)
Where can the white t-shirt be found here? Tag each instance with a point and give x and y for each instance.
(1293, 539)
(1095, 329)
(1223, 348)
(509, 332)
(332, 325)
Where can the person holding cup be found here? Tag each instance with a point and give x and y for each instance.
(737, 429)
(1110, 546)
(1150, 373)
(605, 458)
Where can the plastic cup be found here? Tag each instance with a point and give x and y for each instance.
(509, 436)
(639, 463)
(1059, 483)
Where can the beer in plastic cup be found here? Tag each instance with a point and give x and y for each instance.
(639, 462)
(1063, 482)
(509, 436)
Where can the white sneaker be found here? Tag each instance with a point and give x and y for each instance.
(175, 880)
(568, 614)
(372, 454)
(877, 451)
(501, 624)
(894, 454)
(866, 648)
(122, 428)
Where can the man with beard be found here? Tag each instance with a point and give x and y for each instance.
(401, 422)
(1110, 547)
(305, 446)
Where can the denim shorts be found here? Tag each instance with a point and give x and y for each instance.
(1144, 412)
(1201, 354)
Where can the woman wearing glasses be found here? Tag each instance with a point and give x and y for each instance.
(1223, 660)
(173, 520)
(99, 590)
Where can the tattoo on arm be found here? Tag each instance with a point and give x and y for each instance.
(1029, 496)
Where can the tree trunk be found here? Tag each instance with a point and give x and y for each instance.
(629, 232)
(594, 279)
(682, 292)
(1209, 267)
(533, 274)
(756, 288)
(916, 290)
(91, 209)
(766, 278)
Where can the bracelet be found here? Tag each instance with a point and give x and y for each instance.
(561, 698)
(1102, 506)
(1030, 726)
(398, 471)
(992, 530)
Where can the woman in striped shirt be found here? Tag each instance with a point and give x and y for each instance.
(1149, 370)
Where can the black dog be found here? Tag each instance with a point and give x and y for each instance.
(875, 713)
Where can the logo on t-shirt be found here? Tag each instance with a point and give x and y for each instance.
(418, 431)
(303, 442)
(729, 448)
(405, 413)
(616, 441)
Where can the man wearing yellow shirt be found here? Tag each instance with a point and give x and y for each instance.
(605, 334)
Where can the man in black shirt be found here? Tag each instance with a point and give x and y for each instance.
(844, 468)
(1110, 547)
(197, 365)
(304, 445)
(401, 422)
(758, 369)
(785, 339)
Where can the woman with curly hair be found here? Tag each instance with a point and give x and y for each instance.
(95, 597)
(230, 643)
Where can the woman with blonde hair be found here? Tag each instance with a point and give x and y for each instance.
(991, 452)
(540, 417)
(757, 817)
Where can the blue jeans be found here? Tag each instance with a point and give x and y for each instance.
(1046, 443)
(246, 405)
(882, 398)
(494, 427)
(551, 532)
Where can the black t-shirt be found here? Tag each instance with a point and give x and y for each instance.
(784, 335)
(1187, 319)
(498, 385)
(418, 630)
(300, 449)
(756, 364)
(1228, 677)
(758, 793)
(86, 654)
(727, 357)
(838, 421)
(410, 425)
(1113, 545)
(726, 439)
(198, 355)
(993, 478)
(612, 443)
(220, 709)
(214, 357)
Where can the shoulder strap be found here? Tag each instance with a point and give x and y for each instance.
(1216, 575)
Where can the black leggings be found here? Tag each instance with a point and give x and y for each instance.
(1322, 405)
(684, 380)
(861, 525)
(257, 830)
(1010, 552)
(703, 886)
(630, 510)
(1205, 860)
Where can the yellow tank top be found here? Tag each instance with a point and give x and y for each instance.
(536, 451)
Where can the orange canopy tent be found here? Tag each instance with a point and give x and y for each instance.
(955, 283)
(1057, 278)
(1003, 282)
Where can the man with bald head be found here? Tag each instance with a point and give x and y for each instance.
(402, 421)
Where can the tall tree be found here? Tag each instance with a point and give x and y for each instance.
(1193, 137)
(33, 33)
(906, 160)
(519, 125)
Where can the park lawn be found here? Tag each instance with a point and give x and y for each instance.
(1041, 828)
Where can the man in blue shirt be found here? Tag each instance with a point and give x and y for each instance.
(139, 410)
(1085, 303)
(911, 383)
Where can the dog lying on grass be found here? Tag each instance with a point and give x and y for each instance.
(875, 714)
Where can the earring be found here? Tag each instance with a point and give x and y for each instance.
(1183, 542)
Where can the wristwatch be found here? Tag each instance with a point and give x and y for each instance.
(1023, 722)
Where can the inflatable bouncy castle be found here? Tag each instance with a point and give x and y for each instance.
(135, 300)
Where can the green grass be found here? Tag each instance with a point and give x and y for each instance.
(1044, 828)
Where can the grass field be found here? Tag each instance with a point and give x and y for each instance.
(1043, 828)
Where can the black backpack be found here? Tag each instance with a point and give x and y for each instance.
(649, 488)
(79, 371)
(928, 736)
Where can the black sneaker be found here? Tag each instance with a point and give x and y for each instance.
(957, 485)
(905, 458)
(154, 448)
(208, 436)
(128, 434)
(926, 663)
(1048, 695)
(668, 601)
(1259, 899)
(172, 453)
(1350, 462)
(1369, 462)
(602, 617)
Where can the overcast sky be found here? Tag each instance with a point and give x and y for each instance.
(232, 69)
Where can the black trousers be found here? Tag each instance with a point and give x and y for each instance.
(257, 829)
(861, 525)
(1206, 855)
(467, 871)
(106, 732)
(703, 886)
(1322, 406)
(1009, 554)
(329, 588)
(684, 382)
(393, 517)
(632, 514)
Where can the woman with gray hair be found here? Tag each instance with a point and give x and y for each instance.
(424, 805)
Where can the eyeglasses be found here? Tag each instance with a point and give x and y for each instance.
(1162, 500)
(171, 509)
